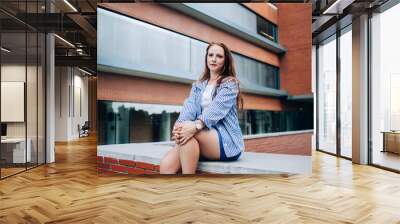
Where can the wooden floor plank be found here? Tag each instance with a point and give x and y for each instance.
(71, 191)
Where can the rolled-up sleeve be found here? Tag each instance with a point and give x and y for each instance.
(221, 104)
(188, 112)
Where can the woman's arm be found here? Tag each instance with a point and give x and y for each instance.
(189, 109)
(221, 104)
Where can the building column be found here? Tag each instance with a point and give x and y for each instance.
(63, 101)
(360, 90)
(50, 98)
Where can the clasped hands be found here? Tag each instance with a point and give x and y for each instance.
(183, 132)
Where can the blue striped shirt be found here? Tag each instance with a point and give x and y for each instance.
(220, 114)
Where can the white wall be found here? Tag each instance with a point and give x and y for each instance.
(71, 94)
(62, 82)
(12, 73)
(80, 109)
(33, 126)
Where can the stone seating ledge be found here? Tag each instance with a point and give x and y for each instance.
(248, 163)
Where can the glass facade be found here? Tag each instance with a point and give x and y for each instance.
(254, 72)
(334, 59)
(385, 89)
(228, 13)
(260, 121)
(382, 84)
(327, 95)
(135, 122)
(22, 87)
(150, 49)
(346, 92)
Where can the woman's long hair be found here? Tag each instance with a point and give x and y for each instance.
(227, 70)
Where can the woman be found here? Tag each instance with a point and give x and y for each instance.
(208, 126)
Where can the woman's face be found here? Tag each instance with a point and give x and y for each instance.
(215, 58)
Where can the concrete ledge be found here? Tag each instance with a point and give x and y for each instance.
(248, 163)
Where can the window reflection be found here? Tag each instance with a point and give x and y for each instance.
(22, 90)
(254, 72)
(135, 122)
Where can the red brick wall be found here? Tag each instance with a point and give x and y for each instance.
(112, 165)
(296, 144)
(108, 165)
(127, 88)
(294, 33)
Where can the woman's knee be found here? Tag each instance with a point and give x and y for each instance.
(168, 166)
(192, 144)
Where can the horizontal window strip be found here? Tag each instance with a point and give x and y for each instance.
(122, 122)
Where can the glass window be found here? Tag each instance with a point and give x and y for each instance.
(41, 85)
(346, 92)
(147, 52)
(327, 95)
(15, 148)
(267, 29)
(135, 122)
(254, 72)
(132, 122)
(385, 88)
(22, 91)
(31, 100)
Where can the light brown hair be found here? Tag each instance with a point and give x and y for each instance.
(228, 70)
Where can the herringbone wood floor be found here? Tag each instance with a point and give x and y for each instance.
(70, 191)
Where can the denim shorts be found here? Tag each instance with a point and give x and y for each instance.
(223, 156)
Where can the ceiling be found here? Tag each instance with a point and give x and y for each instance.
(330, 15)
(74, 22)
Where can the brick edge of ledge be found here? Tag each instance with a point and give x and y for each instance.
(109, 165)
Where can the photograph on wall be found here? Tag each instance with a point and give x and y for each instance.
(215, 88)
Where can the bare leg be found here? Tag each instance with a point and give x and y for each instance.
(189, 156)
(171, 163)
(209, 144)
